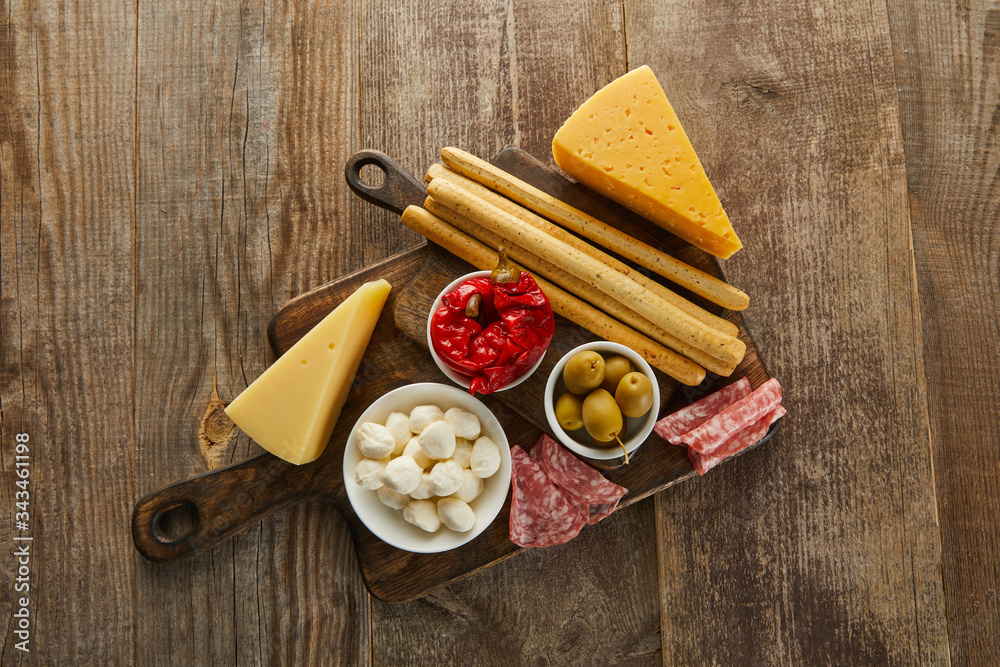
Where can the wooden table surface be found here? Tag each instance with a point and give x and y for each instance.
(171, 173)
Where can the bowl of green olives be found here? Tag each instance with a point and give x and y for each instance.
(602, 400)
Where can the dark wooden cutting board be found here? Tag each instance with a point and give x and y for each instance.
(228, 500)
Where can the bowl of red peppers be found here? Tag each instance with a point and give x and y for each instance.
(489, 330)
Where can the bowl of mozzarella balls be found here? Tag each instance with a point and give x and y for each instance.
(427, 467)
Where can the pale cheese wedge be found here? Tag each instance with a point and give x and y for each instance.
(627, 143)
(292, 408)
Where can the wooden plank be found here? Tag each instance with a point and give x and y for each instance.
(947, 60)
(244, 117)
(239, 206)
(21, 315)
(66, 85)
(317, 236)
(584, 602)
(482, 77)
(821, 547)
(188, 130)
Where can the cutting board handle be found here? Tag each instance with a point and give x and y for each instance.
(220, 504)
(398, 191)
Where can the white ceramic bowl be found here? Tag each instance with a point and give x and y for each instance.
(454, 376)
(387, 523)
(636, 429)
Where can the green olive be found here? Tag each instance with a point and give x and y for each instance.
(601, 417)
(615, 369)
(569, 411)
(634, 394)
(584, 371)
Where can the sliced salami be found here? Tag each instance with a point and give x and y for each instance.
(736, 443)
(540, 514)
(595, 496)
(673, 426)
(707, 437)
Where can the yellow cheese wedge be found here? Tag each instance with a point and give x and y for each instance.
(291, 409)
(626, 143)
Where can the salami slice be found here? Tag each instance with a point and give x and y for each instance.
(705, 438)
(673, 426)
(736, 443)
(540, 514)
(588, 490)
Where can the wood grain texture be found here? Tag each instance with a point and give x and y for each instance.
(584, 602)
(243, 111)
(188, 280)
(21, 399)
(822, 547)
(315, 615)
(66, 213)
(947, 59)
(170, 173)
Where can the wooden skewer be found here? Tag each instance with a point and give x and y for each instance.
(685, 275)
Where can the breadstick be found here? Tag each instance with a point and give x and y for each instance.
(518, 211)
(578, 288)
(564, 304)
(685, 275)
(593, 272)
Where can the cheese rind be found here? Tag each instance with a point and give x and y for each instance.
(626, 143)
(292, 408)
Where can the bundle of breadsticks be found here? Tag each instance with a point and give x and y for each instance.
(473, 208)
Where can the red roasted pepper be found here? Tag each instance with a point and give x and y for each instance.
(493, 329)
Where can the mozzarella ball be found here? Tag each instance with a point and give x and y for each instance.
(424, 415)
(465, 423)
(438, 440)
(456, 514)
(471, 487)
(396, 501)
(399, 425)
(423, 491)
(485, 458)
(402, 474)
(413, 449)
(375, 441)
(463, 452)
(446, 478)
(422, 514)
(368, 473)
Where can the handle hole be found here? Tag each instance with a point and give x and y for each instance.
(372, 175)
(175, 522)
